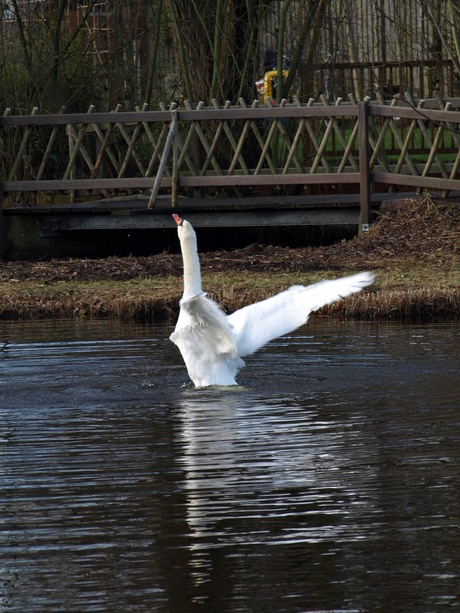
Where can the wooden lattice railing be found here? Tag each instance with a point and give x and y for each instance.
(225, 149)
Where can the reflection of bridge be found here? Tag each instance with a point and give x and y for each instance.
(305, 164)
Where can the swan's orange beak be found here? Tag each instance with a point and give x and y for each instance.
(177, 219)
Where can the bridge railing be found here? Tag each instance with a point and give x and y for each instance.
(231, 149)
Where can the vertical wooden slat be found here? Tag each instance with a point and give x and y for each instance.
(164, 158)
(455, 138)
(296, 141)
(322, 147)
(76, 144)
(131, 152)
(105, 139)
(233, 143)
(204, 140)
(433, 156)
(379, 146)
(22, 147)
(71, 153)
(403, 145)
(190, 141)
(259, 138)
(311, 133)
(340, 135)
(175, 168)
(364, 182)
(49, 148)
(239, 147)
(265, 155)
(215, 140)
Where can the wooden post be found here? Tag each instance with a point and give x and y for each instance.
(70, 168)
(364, 170)
(175, 176)
(2, 228)
(162, 166)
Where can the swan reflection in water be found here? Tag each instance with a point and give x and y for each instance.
(267, 472)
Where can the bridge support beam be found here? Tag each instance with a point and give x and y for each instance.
(364, 170)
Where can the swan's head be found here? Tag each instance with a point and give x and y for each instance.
(184, 228)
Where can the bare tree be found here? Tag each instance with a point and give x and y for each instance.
(59, 52)
(216, 46)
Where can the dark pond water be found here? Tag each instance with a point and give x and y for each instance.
(330, 481)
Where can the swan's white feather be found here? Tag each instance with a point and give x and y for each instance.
(257, 324)
(206, 343)
(212, 343)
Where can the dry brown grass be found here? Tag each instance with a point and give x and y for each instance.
(150, 300)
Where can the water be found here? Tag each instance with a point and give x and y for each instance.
(330, 481)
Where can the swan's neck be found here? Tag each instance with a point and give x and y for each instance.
(192, 274)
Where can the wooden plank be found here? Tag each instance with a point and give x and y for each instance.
(210, 219)
(209, 181)
(234, 180)
(287, 179)
(186, 115)
(264, 112)
(234, 112)
(77, 118)
(136, 203)
(410, 113)
(61, 185)
(435, 183)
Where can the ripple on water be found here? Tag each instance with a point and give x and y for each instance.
(328, 481)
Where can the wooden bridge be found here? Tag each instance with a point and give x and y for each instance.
(234, 165)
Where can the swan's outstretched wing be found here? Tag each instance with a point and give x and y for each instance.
(206, 342)
(258, 323)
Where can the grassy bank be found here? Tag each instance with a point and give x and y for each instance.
(414, 251)
(393, 296)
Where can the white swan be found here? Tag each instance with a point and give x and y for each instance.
(213, 344)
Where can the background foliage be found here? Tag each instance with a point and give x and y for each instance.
(103, 52)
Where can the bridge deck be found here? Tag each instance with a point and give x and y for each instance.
(131, 212)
